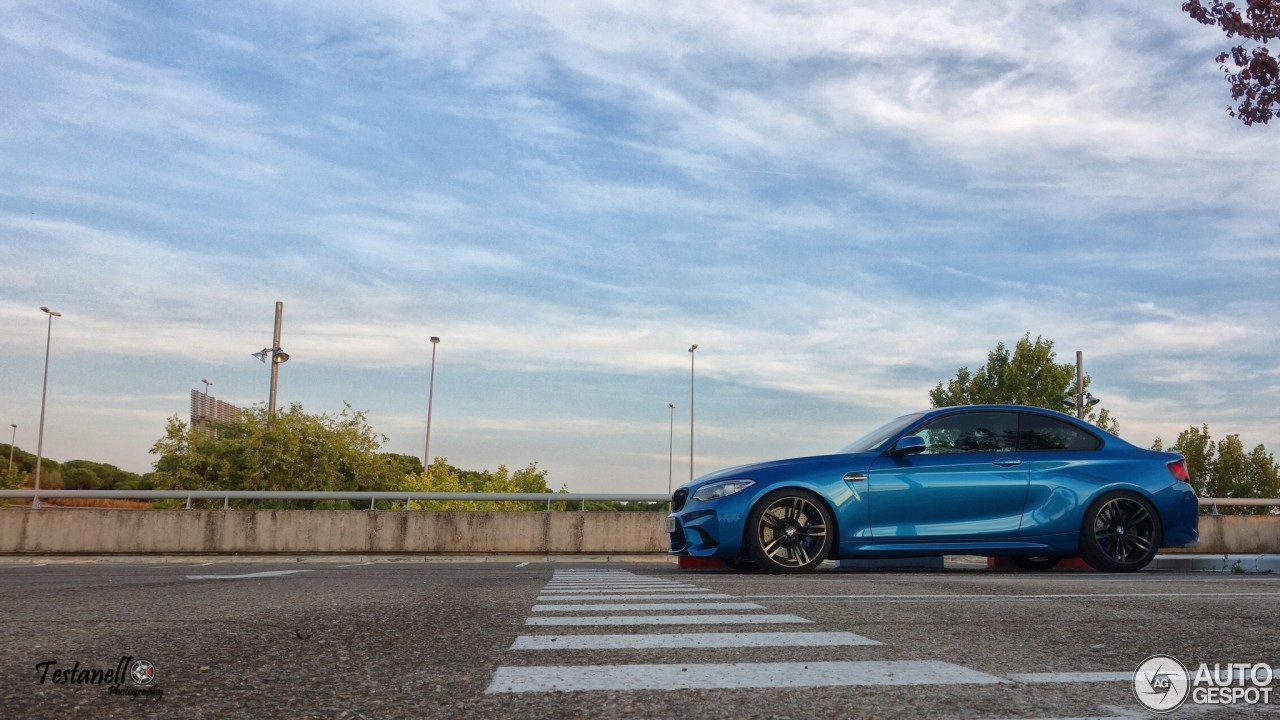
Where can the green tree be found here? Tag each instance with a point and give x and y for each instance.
(294, 450)
(1029, 375)
(1254, 73)
(1223, 469)
(89, 475)
(444, 478)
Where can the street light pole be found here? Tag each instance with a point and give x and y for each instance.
(12, 438)
(1080, 384)
(204, 410)
(275, 364)
(44, 394)
(692, 355)
(431, 393)
(671, 445)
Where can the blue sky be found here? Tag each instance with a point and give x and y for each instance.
(840, 203)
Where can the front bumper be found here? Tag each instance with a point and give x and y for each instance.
(705, 532)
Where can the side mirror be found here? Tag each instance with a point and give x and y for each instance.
(910, 445)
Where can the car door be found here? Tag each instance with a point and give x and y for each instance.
(969, 482)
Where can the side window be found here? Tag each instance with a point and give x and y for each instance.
(1045, 433)
(988, 432)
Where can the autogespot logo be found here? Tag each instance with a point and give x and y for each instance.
(1161, 684)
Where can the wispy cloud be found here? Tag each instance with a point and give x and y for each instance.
(840, 204)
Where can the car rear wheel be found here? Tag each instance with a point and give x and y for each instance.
(1121, 533)
(789, 531)
(1034, 563)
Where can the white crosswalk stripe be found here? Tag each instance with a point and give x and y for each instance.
(596, 620)
(622, 607)
(712, 676)
(689, 640)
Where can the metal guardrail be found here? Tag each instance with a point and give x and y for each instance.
(391, 496)
(1213, 503)
(372, 496)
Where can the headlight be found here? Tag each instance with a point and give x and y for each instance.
(721, 489)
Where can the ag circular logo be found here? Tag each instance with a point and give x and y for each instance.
(142, 672)
(1161, 684)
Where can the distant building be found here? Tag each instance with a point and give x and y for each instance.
(206, 410)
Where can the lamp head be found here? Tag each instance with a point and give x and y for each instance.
(1090, 400)
(435, 340)
(695, 347)
(671, 405)
(54, 313)
(279, 356)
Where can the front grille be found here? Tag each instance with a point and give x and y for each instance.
(678, 498)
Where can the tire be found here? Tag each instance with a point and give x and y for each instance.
(1034, 563)
(789, 531)
(1121, 533)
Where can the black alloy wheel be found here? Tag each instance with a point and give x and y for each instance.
(1121, 533)
(789, 531)
(1034, 563)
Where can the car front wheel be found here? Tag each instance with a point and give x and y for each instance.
(789, 531)
(1121, 533)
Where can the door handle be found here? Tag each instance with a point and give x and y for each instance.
(1006, 462)
(855, 477)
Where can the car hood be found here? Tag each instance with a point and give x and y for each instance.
(763, 470)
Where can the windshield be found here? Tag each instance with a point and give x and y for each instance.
(873, 440)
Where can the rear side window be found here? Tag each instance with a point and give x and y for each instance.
(1037, 432)
(970, 432)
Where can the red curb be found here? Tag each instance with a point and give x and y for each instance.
(698, 563)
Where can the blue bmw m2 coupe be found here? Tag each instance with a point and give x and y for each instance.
(1024, 483)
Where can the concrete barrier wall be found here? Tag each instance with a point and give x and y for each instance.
(328, 531)
(1239, 534)
(96, 531)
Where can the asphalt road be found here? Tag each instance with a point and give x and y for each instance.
(510, 640)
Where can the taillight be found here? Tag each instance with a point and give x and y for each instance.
(1178, 468)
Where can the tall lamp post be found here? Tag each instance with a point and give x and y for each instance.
(12, 439)
(1082, 400)
(277, 356)
(431, 393)
(204, 411)
(692, 355)
(671, 445)
(44, 394)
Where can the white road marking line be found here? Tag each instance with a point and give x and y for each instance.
(689, 640)
(671, 596)
(1072, 677)
(606, 591)
(357, 564)
(1092, 677)
(269, 573)
(585, 621)
(522, 564)
(733, 675)
(1067, 596)
(625, 607)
